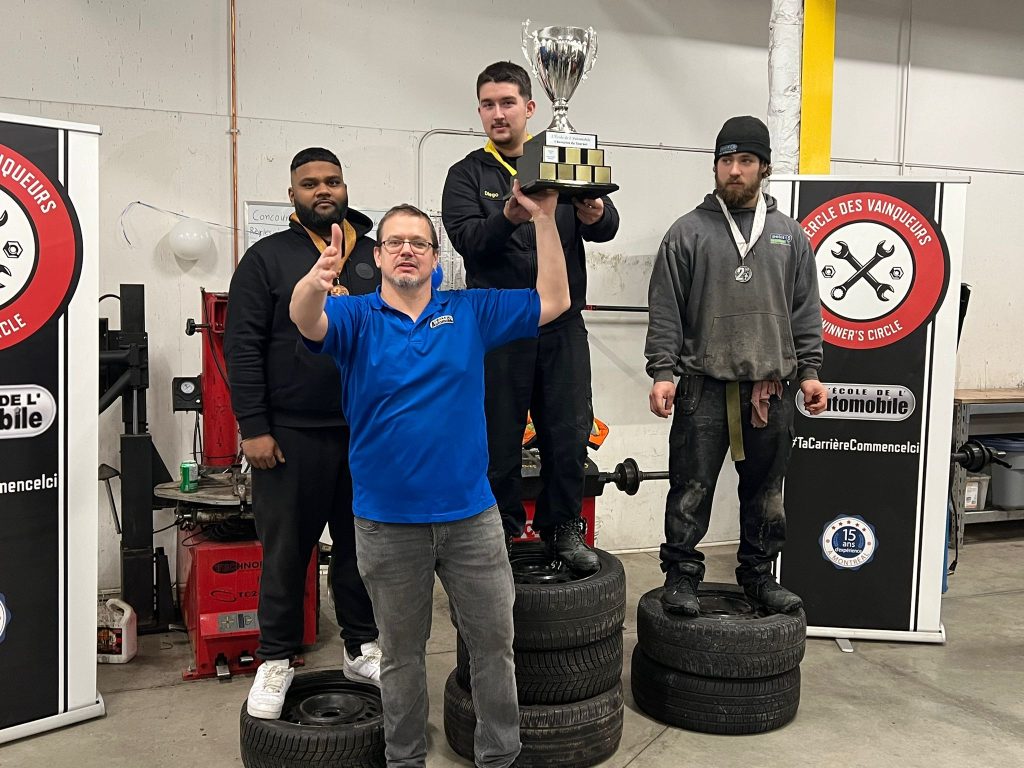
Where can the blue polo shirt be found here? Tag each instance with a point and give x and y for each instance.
(413, 393)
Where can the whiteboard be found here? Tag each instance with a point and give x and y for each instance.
(264, 218)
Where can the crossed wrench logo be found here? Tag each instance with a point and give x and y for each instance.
(863, 270)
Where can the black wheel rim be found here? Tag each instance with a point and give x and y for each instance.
(342, 705)
(723, 605)
(532, 565)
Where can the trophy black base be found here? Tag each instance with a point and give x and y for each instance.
(572, 190)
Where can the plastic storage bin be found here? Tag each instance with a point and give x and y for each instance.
(1008, 483)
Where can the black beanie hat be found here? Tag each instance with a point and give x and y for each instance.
(744, 134)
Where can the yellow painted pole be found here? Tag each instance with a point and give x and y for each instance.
(816, 86)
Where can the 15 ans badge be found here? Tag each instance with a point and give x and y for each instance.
(41, 241)
(849, 542)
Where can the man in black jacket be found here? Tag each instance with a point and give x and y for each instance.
(288, 405)
(549, 375)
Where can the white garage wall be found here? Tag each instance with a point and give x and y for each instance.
(942, 92)
(371, 79)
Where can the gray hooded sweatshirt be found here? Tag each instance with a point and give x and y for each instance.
(702, 321)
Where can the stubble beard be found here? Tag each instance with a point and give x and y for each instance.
(405, 282)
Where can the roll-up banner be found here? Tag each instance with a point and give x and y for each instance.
(49, 376)
(868, 482)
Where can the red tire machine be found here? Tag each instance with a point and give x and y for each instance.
(219, 558)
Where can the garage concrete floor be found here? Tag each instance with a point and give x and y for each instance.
(887, 704)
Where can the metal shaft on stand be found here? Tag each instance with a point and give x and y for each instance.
(627, 476)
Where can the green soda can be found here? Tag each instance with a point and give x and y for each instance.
(189, 477)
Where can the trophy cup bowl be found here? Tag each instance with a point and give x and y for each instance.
(561, 58)
(560, 158)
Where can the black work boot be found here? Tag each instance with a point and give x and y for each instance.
(566, 543)
(680, 595)
(773, 595)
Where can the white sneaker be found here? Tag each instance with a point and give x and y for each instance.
(266, 697)
(364, 668)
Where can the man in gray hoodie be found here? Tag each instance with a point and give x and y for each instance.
(735, 315)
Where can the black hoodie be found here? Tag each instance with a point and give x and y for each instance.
(500, 254)
(274, 379)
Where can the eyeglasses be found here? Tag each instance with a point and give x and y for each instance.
(394, 245)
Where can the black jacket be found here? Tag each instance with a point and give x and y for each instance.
(500, 254)
(274, 379)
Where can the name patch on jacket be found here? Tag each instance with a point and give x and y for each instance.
(441, 320)
(491, 195)
(780, 239)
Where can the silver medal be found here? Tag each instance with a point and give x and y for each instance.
(742, 273)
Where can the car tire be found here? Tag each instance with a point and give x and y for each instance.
(734, 637)
(327, 722)
(727, 706)
(558, 676)
(557, 608)
(576, 735)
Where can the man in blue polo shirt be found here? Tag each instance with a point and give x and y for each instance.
(411, 362)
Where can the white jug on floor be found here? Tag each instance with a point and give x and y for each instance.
(116, 635)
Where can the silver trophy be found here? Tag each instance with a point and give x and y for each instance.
(560, 158)
(561, 58)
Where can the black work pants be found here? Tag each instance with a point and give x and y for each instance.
(698, 443)
(550, 377)
(292, 502)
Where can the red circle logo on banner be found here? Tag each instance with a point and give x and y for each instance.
(882, 268)
(40, 260)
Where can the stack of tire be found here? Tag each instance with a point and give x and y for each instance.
(735, 669)
(568, 656)
(327, 722)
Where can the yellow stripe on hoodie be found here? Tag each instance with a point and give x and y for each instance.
(490, 149)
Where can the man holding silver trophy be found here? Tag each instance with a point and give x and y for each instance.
(548, 376)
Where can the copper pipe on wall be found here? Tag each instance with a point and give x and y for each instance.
(234, 137)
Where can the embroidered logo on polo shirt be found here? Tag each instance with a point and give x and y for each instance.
(441, 320)
(491, 195)
(776, 238)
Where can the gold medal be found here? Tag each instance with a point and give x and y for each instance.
(338, 289)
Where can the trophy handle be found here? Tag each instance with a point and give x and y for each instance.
(591, 53)
(526, 47)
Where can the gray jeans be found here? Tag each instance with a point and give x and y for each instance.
(397, 562)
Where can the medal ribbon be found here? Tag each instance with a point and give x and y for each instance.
(760, 212)
(348, 241)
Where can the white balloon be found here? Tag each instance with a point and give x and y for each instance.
(190, 239)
